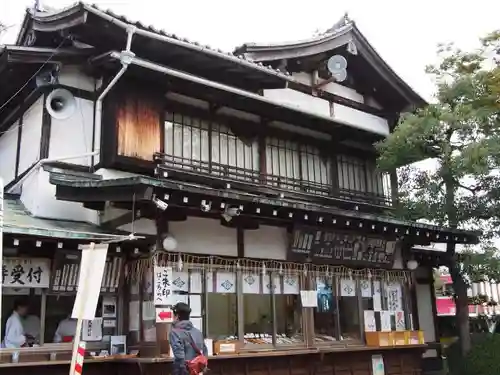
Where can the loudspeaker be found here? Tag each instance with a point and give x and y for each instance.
(60, 104)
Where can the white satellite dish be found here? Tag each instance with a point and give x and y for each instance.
(60, 104)
(337, 65)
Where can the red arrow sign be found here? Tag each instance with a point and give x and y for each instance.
(165, 315)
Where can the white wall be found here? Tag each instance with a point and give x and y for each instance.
(299, 100)
(8, 153)
(204, 236)
(39, 197)
(343, 91)
(338, 112)
(31, 135)
(266, 242)
(360, 120)
(73, 136)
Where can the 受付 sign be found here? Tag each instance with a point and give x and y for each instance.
(26, 272)
(163, 277)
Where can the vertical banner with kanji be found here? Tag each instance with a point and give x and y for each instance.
(1, 248)
(163, 277)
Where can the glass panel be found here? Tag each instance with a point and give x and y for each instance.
(257, 309)
(325, 314)
(350, 324)
(289, 319)
(222, 307)
(222, 322)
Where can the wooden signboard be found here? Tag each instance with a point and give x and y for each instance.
(340, 248)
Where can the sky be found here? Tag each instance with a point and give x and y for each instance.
(405, 33)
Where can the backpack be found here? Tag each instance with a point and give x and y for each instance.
(198, 364)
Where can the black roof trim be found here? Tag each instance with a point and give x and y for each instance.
(149, 182)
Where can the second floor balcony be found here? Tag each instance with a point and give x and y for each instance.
(281, 161)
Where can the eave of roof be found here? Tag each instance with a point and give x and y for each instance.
(323, 43)
(22, 54)
(150, 182)
(78, 12)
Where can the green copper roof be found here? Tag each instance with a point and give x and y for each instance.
(18, 220)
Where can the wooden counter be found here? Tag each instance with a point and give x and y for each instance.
(402, 360)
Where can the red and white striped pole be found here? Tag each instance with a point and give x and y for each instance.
(80, 355)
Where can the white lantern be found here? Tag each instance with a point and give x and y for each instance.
(412, 264)
(170, 243)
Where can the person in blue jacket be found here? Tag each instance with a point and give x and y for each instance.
(182, 336)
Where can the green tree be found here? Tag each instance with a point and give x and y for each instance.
(460, 134)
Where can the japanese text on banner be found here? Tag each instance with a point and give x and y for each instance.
(163, 277)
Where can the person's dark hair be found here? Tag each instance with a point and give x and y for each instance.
(21, 302)
(182, 311)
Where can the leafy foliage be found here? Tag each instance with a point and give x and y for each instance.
(483, 358)
(460, 133)
(459, 136)
(484, 347)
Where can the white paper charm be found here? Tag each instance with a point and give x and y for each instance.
(291, 285)
(385, 321)
(377, 297)
(268, 286)
(366, 288)
(347, 288)
(251, 283)
(195, 282)
(209, 281)
(180, 281)
(309, 298)
(400, 320)
(370, 325)
(225, 282)
(394, 297)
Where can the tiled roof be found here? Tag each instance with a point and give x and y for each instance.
(239, 59)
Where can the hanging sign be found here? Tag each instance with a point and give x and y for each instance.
(163, 278)
(92, 330)
(164, 315)
(89, 281)
(338, 247)
(26, 272)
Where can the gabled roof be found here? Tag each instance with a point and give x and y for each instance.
(343, 34)
(97, 25)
